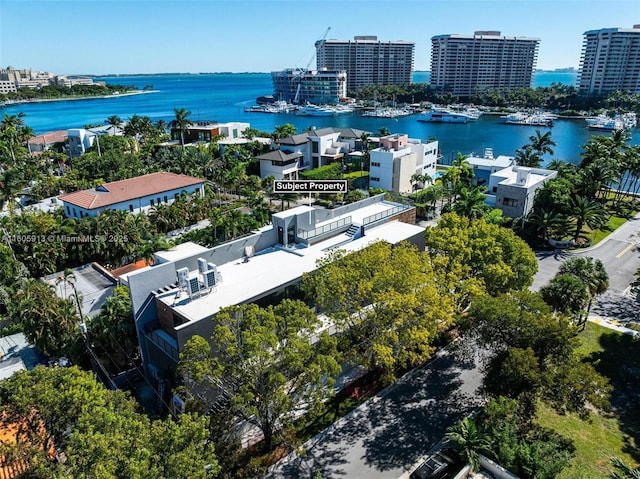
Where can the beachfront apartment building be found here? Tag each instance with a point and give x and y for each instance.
(367, 60)
(298, 86)
(134, 195)
(513, 189)
(393, 164)
(465, 64)
(11, 79)
(610, 61)
(179, 295)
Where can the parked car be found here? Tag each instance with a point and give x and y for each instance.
(441, 464)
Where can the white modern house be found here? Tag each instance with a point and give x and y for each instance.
(79, 140)
(397, 159)
(484, 166)
(315, 148)
(134, 195)
(515, 187)
(179, 295)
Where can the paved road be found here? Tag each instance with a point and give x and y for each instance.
(391, 432)
(619, 252)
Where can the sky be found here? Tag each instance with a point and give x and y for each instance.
(158, 36)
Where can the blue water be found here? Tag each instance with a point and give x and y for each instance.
(222, 97)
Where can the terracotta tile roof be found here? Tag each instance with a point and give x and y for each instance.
(128, 268)
(48, 138)
(127, 190)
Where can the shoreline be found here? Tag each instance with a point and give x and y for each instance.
(11, 103)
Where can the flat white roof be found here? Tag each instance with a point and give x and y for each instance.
(294, 211)
(501, 161)
(535, 176)
(274, 268)
(178, 252)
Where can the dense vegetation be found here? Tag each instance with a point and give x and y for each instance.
(54, 92)
(556, 97)
(388, 307)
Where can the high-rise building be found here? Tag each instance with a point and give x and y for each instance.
(367, 60)
(465, 64)
(610, 61)
(299, 86)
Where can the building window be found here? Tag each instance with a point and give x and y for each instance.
(314, 147)
(373, 178)
(151, 202)
(375, 163)
(495, 188)
(510, 202)
(165, 199)
(75, 213)
(68, 211)
(131, 208)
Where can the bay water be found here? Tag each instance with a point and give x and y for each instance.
(222, 97)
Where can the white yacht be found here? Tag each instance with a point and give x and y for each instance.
(446, 116)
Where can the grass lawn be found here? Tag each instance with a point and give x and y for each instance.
(355, 174)
(602, 436)
(614, 223)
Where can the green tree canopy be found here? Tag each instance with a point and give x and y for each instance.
(98, 431)
(271, 361)
(480, 253)
(386, 300)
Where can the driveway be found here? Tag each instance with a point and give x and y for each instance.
(388, 434)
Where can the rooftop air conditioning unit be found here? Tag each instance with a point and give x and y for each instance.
(202, 265)
(183, 277)
(209, 279)
(193, 286)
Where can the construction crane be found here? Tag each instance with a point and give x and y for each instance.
(296, 99)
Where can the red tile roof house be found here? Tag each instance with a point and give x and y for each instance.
(135, 195)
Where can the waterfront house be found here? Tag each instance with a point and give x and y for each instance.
(397, 159)
(484, 166)
(515, 187)
(40, 143)
(134, 195)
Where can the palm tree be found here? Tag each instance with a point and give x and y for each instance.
(181, 122)
(471, 203)
(542, 143)
(591, 273)
(585, 212)
(384, 131)
(283, 131)
(546, 222)
(528, 157)
(469, 440)
(10, 132)
(624, 471)
(115, 121)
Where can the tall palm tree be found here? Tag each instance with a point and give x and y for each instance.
(591, 273)
(115, 121)
(469, 440)
(181, 122)
(528, 157)
(283, 131)
(585, 212)
(542, 143)
(471, 203)
(546, 222)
